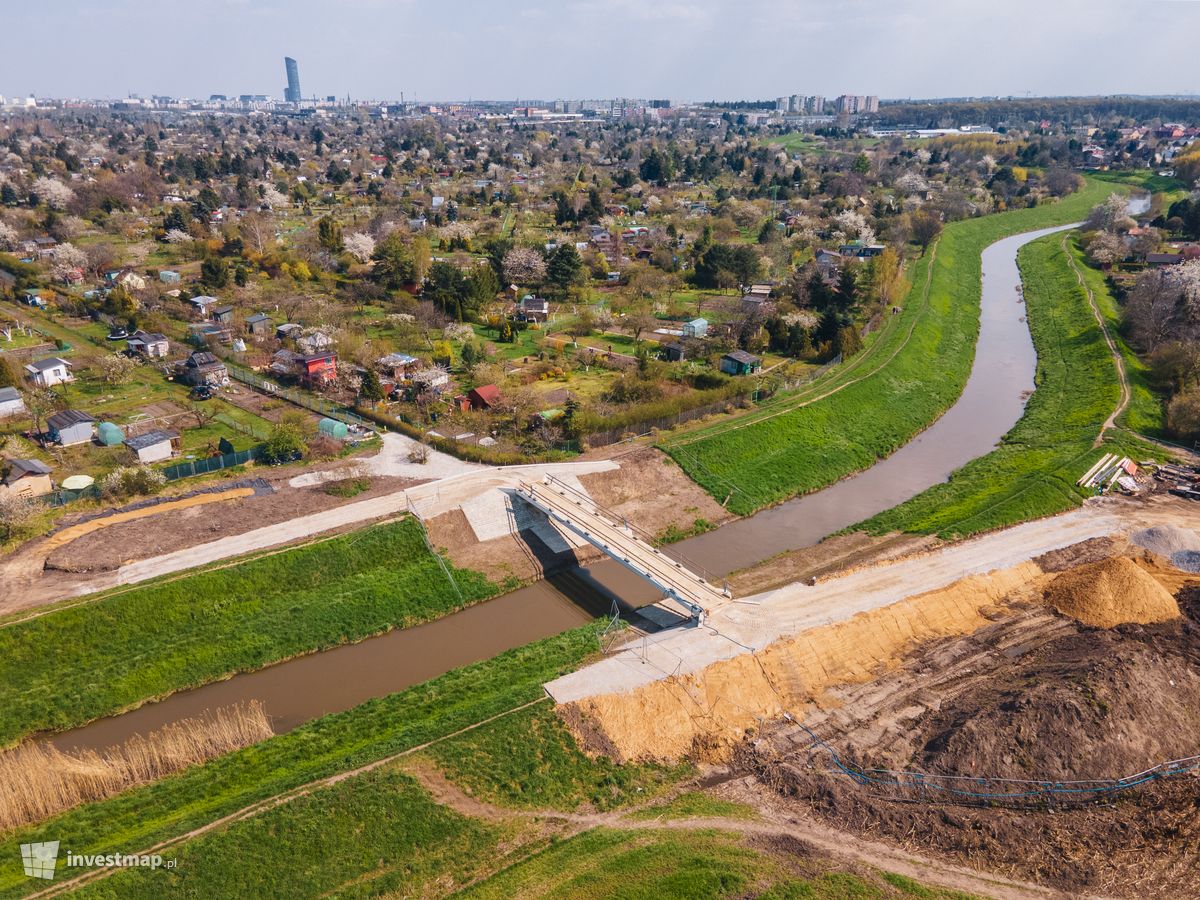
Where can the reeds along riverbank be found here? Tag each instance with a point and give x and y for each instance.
(39, 780)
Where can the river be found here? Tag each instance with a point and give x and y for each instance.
(301, 689)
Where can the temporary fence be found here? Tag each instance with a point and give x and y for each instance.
(210, 464)
(990, 790)
(62, 496)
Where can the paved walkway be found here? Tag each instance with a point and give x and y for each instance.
(751, 624)
(475, 485)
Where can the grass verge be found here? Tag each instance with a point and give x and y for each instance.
(327, 746)
(1033, 471)
(144, 643)
(804, 449)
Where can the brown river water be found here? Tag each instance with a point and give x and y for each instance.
(330, 681)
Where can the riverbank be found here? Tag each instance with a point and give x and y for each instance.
(125, 650)
(802, 450)
(1033, 472)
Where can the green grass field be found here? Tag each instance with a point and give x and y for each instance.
(529, 761)
(1033, 472)
(373, 731)
(153, 640)
(1146, 413)
(928, 359)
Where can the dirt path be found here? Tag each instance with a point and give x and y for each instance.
(1118, 360)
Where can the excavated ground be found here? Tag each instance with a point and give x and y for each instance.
(1036, 695)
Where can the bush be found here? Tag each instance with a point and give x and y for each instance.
(128, 481)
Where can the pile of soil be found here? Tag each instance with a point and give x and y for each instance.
(1111, 592)
(1047, 703)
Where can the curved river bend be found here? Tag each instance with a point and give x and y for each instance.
(304, 688)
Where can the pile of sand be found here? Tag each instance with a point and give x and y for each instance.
(1111, 592)
(704, 713)
(1166, 540)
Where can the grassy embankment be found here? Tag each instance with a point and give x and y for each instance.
(1033, 472)
(79, 663)
(1145, 413)
(380, 831)
(919, 372)
(333, 744)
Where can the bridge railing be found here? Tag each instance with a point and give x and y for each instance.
(641, 534)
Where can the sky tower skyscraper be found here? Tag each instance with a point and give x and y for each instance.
(292, 92)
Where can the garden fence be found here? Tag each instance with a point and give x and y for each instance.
(296, 396)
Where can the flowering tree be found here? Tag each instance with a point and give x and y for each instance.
(1106, 248)
(67, 257)
(359, 245)
(852, 225)
(53, 192)
(177, 236)
(274, 198)
(524, 265)
(1111, 215)
(8, 236)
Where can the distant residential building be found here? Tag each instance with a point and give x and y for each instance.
(11, 403)
(291, 93)
(202, 368)
(154, 446)
(70, 427)
(258, 324)
(399, 366)
(739, 362)
(49, 372)
(27, 478)
(149, 345)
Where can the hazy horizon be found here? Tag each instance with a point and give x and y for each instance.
(707, 49)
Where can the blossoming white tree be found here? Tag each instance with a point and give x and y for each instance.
(53, 192)
(359, 245)
(524, 265)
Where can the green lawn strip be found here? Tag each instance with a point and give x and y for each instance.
(376, 833)
(71, 666)
(808, 448)
(530, 761)
(1033, 472)
(1146, 413)
(378, 729)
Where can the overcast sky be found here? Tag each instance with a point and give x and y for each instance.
(678, 49)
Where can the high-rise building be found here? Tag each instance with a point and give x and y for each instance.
(871, 104)
(292, 92)
(816, 105)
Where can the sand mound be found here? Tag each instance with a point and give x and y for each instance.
(1166, 540)
(1111, 592)
(704, 713)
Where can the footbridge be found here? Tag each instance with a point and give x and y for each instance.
(680, 581)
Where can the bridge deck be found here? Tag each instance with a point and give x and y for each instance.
(576, 511)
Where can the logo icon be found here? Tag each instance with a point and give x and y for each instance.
(39, 859)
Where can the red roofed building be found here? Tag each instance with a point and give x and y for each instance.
(318, 369)
(483, 397)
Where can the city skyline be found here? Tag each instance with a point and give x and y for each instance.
(687, 51)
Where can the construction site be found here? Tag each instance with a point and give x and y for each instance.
(1037, 719)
